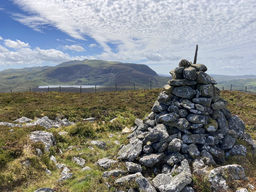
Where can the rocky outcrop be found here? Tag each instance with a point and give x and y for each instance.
(45, 137)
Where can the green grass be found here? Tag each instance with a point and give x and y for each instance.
(15, 146)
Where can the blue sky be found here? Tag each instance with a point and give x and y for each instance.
(155, 32)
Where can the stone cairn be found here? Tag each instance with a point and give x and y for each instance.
(189, 131)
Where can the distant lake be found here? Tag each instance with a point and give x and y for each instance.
(68, 86)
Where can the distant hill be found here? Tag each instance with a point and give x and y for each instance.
(86, 72)
(237, 82)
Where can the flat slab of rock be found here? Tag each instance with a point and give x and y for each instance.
(114, 173)
(130, 151)
(44, 190)
(106, 163)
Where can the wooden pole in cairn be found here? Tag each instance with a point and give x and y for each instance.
(195, 57)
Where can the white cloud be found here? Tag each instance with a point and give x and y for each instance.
(146, 28)
(92, 45)
(1, 38)
(76, 48)
(25, 56)
(15, 44)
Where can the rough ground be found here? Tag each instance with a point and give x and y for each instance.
(22, 169)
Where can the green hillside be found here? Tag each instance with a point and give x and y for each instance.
(86, 72)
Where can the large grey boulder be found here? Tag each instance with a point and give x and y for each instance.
(199, 67)
(130, 151)
(45, 137)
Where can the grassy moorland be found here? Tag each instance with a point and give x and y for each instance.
(15, 147)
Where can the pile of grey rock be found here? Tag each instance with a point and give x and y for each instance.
(189, 131)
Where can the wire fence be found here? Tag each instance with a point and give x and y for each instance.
(116, 87)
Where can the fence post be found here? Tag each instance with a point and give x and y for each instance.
(48, 89)
(231, 87)
(60, 88)
(11, 90)
(134, 86)
(80, 89)
(150, 84)
(245, 88)
(116, 86)
(95, 88)
(222, 88)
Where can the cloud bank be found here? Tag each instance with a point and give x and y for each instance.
(156, 31)
(19, 54)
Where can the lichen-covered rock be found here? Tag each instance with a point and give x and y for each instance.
(190, 73)
(193, 151)
(162, 179)
(237, 150)
(130, 151)
(194, 138)
(151, 160)
(218, 177)
(228, 142)
(157, 133)
(79, 161)
(204, 78)
(181, 82)
(200, 119)
(45, 137)
(184, 92)
(236, 124)
(180, 181)
(99, 144)
(199, 67)
(106, 163)
(113, 173)
(133, 167)
(175, 145)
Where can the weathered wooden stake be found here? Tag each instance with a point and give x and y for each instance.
(195, 58)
